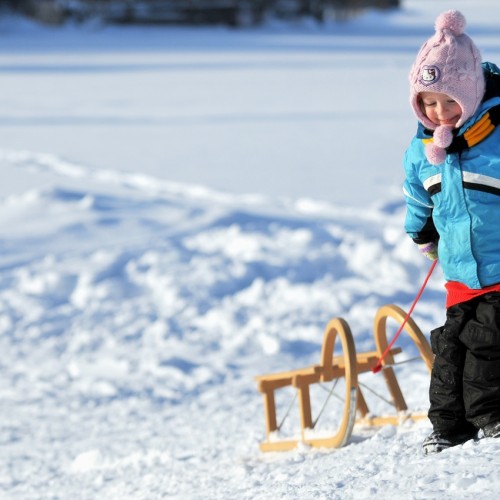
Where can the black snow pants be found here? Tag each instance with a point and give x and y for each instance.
(465, 380)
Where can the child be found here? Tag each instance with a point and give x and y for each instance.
(452, 191)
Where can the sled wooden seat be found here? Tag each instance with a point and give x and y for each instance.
(365, 361)
(347, 366)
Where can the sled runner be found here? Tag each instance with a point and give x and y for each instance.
(343, 368)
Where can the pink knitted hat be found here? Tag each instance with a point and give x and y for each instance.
(448, 63)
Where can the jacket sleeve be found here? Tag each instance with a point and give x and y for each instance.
(419, 224)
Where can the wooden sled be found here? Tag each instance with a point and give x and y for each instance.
(345, 366)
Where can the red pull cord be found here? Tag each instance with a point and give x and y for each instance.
(378, 366)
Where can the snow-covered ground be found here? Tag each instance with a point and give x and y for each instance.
(182, 210)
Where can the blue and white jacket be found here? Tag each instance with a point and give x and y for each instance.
(458, 202)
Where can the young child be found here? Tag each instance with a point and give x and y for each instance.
(452, 191)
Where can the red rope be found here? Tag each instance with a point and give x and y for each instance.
(378, 366)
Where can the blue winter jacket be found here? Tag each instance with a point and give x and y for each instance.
(458, 202)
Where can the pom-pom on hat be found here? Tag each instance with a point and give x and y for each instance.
(448, 63)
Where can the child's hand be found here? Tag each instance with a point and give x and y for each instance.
(430, 250)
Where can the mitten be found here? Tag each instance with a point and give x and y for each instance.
(430, 250)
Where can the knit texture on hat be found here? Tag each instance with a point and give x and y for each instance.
(448, 63)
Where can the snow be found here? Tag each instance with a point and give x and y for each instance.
(185, 209)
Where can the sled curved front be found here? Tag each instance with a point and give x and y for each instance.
(331, 367)
(350, 374)
(380, 332)
(381, 342)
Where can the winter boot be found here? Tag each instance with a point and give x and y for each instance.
(492, 430)
(438, 441)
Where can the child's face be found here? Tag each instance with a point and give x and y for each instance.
(441, 109)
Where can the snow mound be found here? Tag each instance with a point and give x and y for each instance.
(136, 312)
